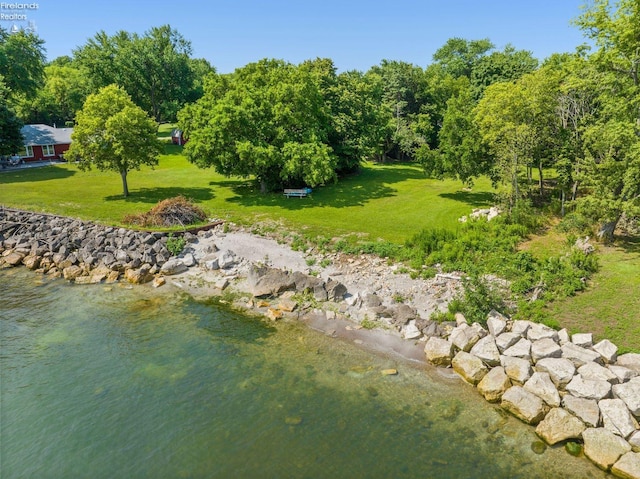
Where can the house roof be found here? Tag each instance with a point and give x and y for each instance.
(46, 135)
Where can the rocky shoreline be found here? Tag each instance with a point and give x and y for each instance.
(574, 391)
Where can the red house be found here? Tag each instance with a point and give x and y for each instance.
(177, 137)
(44, 142)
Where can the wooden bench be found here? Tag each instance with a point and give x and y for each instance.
(297, 193)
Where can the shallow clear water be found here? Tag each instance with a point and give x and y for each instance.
(110, 382)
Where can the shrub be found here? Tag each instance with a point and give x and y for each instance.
(175, 244)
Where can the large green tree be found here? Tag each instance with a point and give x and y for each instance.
(10, 136)
(611, 170)
(268, 120)
(154, 68)
(114, 134)
(22, 60)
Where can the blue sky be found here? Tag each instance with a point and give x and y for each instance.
(356, 34)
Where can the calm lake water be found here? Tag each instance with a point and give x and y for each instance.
(109, 382)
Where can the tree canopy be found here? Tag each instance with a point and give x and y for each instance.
(114, 134)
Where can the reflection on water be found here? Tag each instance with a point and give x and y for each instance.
(115, 382)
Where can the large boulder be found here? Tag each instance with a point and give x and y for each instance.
(335, 290)
(487, 351)
(469, 367)
(629, 360)
(628, 466)
(634, 441)
(584, 340)
(72, 272)
(589, 388)
(505, 340)
(629, 392)
(496, 323)
(623, 374)
(173, 266)
(560, 370)
(541, 385)
(559, 425)
(464, 337)
(518, 369)
(539, 331)
(522, 349)
(617, 418)
(545, 348)
(140, 275)
(524, 405)
(494, 384)
(597, 372)
(603, 447)
(438, 351)
(586, 410)
(578, 355)
(607, 350)
(264, 281)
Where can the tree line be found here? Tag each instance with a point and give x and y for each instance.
(475, 110)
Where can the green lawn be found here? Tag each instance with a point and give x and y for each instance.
(382, 201)
(391, 202)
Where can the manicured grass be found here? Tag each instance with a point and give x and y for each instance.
(390, 202)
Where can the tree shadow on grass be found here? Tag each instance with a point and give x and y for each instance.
(43, 173)
(154, 195)
(352, 190)
(475, 199)
(630, 244)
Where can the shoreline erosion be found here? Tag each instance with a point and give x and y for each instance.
(570, 388)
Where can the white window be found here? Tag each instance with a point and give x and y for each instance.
(48, 150)
(27, 152)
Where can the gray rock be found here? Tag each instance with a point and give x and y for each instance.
(464, 337)
(211, 264)
(539, 331)
(541, 385)
(494, 384)
(189, 260)
(563, 336)
(505, 340)
(173, 266)
(335, 290)
(469, 367)
(438, 351)
(524, 405)
(634, 441)
(586, 410)
(411, 331)
(522, 349)
(588, 388)
(487, 351)
(629, 393)
(596, 372)
(603, 447)
(545, 348)
(622, 373)
(263, 281)
(403, 313)
(559, 425)
(560, 370)
(477, 327)
(629, 360)
(226, 259)
(584, 340)
(628, 466)
(521, 327)
(518, 369)
(496, 323)
(607, 350)
(617, 418)
(578, 355)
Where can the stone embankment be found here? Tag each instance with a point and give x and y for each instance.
(572, 390)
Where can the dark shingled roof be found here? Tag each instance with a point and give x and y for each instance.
(46, 135)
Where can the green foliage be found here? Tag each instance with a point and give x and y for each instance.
(267, 120)
(155, 69)
(113, 134)
(479, 298)
(10, 125)
(175, 244)
(22, 59)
